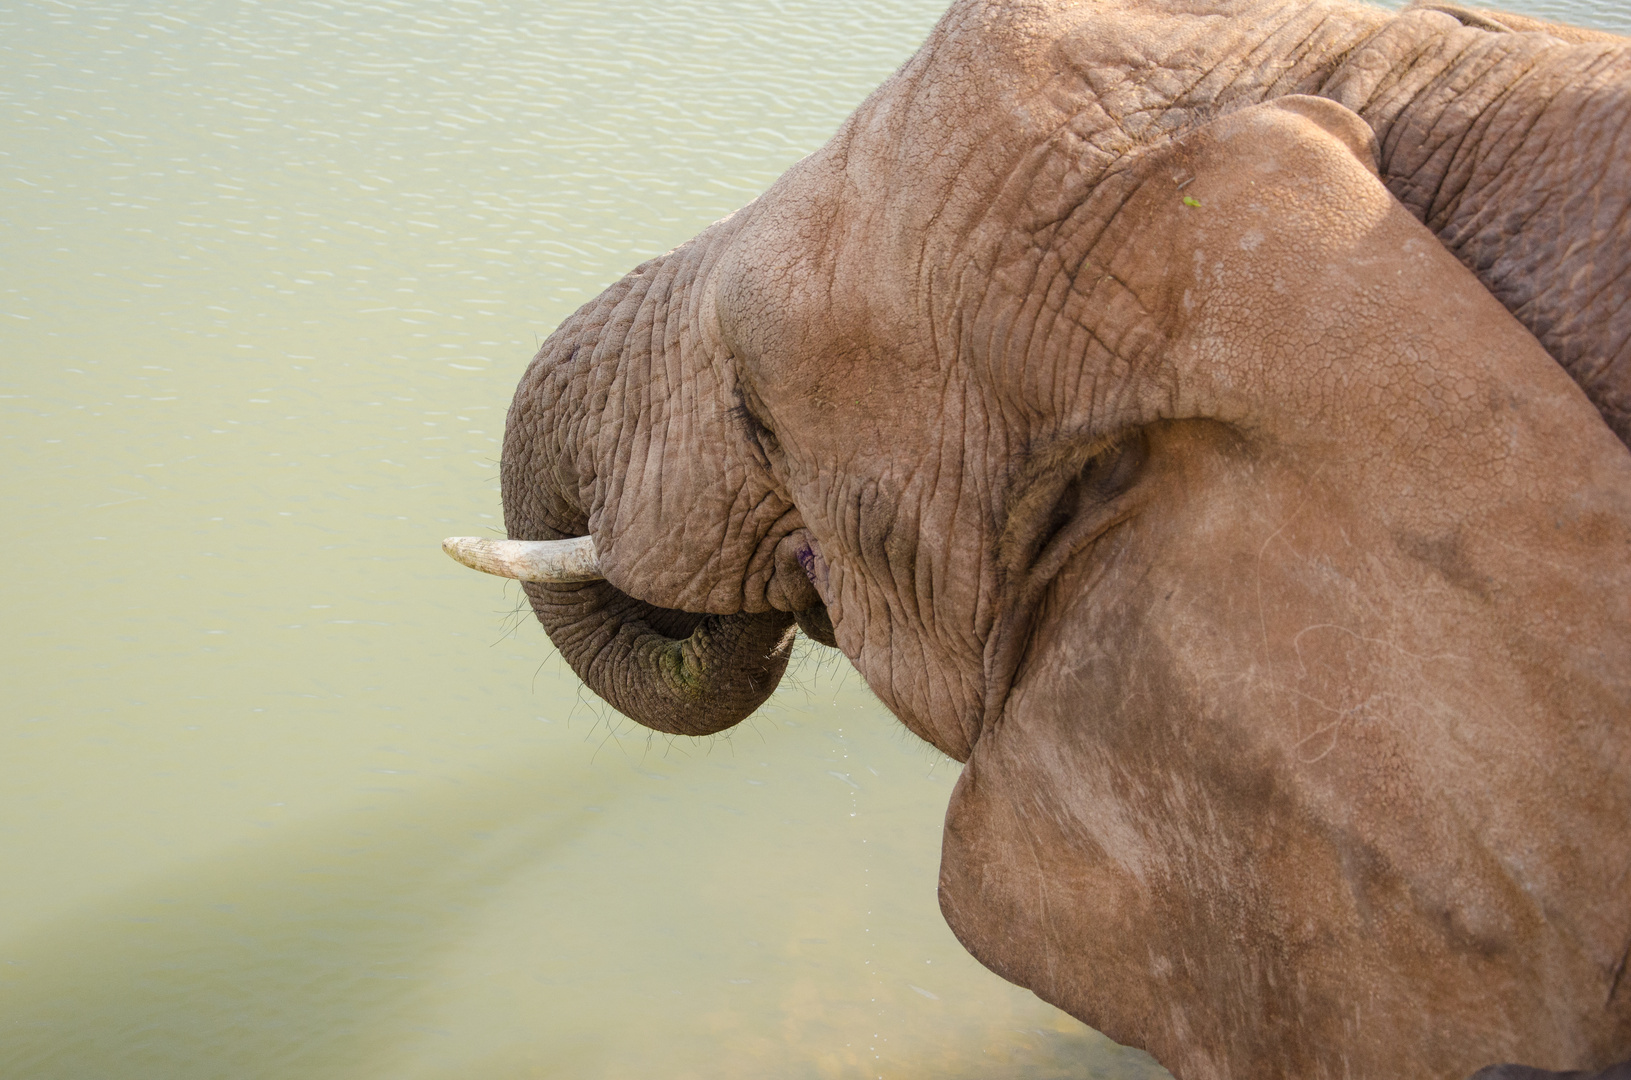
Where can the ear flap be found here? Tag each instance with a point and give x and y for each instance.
(1338, 121)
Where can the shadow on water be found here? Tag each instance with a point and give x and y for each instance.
(306, 955)
(501, 928)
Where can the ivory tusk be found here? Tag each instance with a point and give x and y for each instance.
(558, 562)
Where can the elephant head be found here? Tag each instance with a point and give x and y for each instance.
(1146, 454)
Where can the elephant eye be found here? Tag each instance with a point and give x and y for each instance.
(1103, 477)
(1113, 469)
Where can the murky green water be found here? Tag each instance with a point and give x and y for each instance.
(283, 791)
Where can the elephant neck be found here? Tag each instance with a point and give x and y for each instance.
(1511, 147)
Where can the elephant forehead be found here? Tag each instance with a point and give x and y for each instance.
(1006, 119)
(998, 81)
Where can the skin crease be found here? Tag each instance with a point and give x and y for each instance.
(1151, 457)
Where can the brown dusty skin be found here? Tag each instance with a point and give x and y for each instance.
(1166, 405)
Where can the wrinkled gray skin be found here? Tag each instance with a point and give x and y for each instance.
(1146, 455)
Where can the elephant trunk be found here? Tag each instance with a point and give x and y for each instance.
(674, 671)
(620, 430)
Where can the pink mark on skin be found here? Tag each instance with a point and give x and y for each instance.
(815, 567)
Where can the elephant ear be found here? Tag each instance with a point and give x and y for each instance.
(1338, 121)
(622, 429)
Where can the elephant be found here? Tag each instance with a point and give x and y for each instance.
(1206, 420)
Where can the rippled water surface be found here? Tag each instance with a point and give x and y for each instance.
(283, 791)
